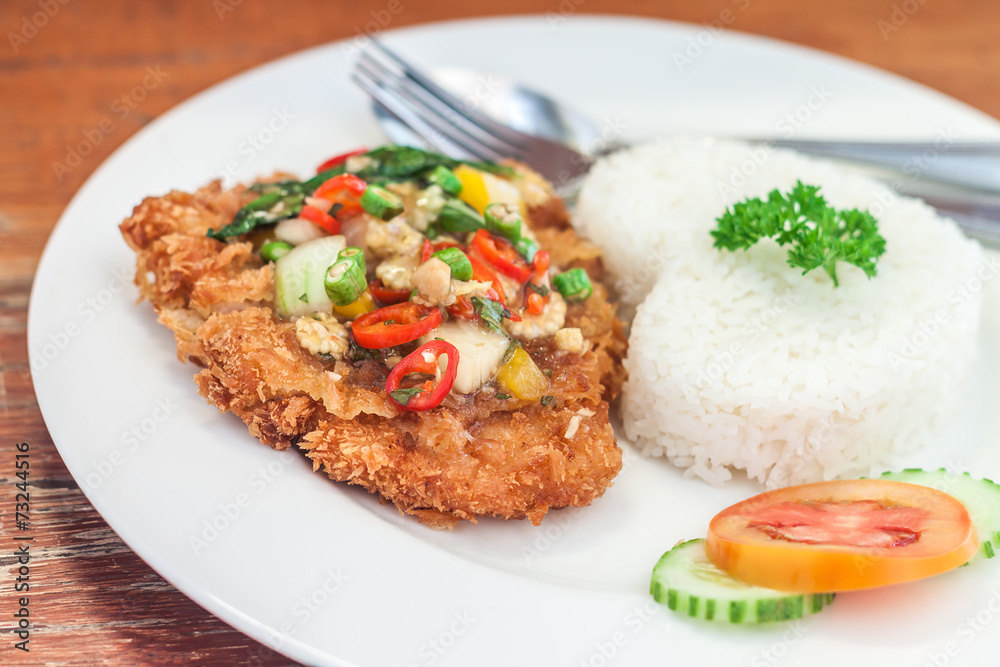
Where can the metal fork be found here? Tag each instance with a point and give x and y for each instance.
(457, 128)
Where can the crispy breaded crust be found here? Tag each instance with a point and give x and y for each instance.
(475, 455)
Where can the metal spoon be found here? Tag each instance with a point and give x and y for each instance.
(960, 179)
(523, 109)
(973, 165)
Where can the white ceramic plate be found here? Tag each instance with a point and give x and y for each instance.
(323, 572)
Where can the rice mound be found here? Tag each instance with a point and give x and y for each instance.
(737, 360)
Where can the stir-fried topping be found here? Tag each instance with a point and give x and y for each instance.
(388, 249)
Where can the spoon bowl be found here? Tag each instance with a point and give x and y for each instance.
(512, 104)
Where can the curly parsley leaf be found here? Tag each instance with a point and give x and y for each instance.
(819, 235)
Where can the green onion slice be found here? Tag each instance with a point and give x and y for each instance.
(527, 248)
(356, 255)
(574, 284)
(345, 282)
(272, 251)
(457, 261)
(381, 203)
(446, 179)
(504, 220)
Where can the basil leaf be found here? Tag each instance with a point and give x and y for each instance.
(490, 312)
(269, 208)
(403, 396)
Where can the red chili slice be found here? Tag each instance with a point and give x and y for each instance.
(424, 360)
(346, 190)
(329, 223)
(338, 159)
(501, 255)
(482, 273)
(540, 263)
(463, 307)
(394, 325)
(536, 304)
(431, 248)
(387, 296)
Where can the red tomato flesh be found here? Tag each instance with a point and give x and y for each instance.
(863, 523)
(841, 535)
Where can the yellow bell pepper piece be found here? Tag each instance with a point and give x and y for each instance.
(364, 304)
(473, 187)
(522, 377)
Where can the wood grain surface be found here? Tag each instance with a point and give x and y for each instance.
(64, 67)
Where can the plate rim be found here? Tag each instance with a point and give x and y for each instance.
(230, 614)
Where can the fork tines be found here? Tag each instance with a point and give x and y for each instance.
(443, 119)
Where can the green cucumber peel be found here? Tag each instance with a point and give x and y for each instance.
(687, 582)
(981, 498)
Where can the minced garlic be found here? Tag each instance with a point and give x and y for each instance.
(546, 323)
(320, 333)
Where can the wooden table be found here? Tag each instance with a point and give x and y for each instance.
(64, 68)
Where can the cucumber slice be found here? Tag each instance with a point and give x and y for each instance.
(299, 276)
(686, 581)
(980, 496)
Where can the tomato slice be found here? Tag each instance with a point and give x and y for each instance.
(345, 190)
(339, 159)
(423, 360)
(501, 255)
(841, 535)
(394, 325)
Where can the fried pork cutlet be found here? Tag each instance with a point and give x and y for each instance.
(481, 454)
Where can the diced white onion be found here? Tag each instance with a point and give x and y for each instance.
(297, 231)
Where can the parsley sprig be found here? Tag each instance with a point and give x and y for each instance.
(819, 235)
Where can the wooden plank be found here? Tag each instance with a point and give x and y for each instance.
(79, 86)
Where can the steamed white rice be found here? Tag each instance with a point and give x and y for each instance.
(738, 361)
